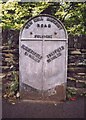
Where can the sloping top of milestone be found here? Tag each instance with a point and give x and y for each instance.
(43, 27)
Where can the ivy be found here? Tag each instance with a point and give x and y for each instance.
(72, 14)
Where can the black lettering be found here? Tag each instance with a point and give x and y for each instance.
(26, 53)
(55, 54)
(32, 57)
(38, 25)
(59, 49)
(22, 46)
(28, 24)
(41, 25)
(49, 25)
(53, 57)
(43, 36)
(62, 47)
(48, 60)
(50, 36)
(38, 61)
(55, 22)
(38, 19)
(48, 56)
(35, 36)
(45, 25)
(59, 54)
(35, 56)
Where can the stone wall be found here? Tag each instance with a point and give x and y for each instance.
(76, 58)
(77, 63)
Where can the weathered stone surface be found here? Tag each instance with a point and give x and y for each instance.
(80, 84)
(76, 52)
(55, 94)
(43, 55)
(71, 83)
(77, 70)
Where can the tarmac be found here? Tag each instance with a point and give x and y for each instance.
(0, 106)
(42, 109)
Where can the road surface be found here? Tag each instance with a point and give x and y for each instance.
(33, 109)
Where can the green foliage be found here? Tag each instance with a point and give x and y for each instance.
(71, 93)
(14, 84)
(74, 17)
(72, 14)
(12, 15)
(12, 88)
(15, 14)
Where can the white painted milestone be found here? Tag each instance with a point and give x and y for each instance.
(43, 53)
